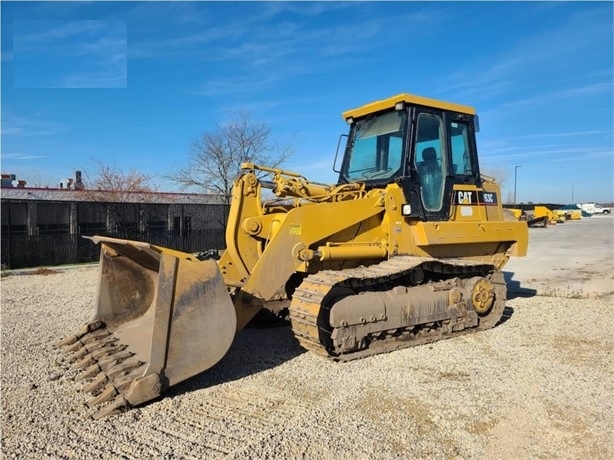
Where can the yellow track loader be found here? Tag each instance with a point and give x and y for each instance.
(406, 248)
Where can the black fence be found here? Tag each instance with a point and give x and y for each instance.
(531, 206)
(41, 233)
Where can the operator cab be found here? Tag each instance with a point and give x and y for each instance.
(423, 144)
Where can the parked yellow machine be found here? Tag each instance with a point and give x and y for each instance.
(568, 214)
(407, 248)
(543, 211)
(517, 213)
(539, 216)
(575, 214)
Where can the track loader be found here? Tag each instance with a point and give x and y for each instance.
(405, 249)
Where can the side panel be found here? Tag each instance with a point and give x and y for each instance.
(474, 229)
(471, 204)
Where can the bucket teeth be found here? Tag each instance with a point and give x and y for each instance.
(82, 350)
(66, 341)
(105, 342)
(91, 327)
(119, 371)
(97, 383)
(123, 382)
(85, 329)
(115, 407)
(124, 367)
(97, 351)
(105, 396)
(74, 347)
(89, 372)
(97, 335)
(77, 355)
(109, 350)
(116, 358)
(85, 362)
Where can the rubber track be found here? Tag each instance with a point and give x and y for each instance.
(308, 297)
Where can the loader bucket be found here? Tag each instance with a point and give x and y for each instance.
(161, 317)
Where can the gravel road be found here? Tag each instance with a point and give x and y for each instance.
(539, 385)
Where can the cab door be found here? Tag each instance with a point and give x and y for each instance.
(443, 159)
(430, 163)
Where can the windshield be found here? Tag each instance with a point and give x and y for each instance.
(375, 148)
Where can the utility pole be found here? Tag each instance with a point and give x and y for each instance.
(515, 177)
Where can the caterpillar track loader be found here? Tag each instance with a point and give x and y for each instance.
(407, 248)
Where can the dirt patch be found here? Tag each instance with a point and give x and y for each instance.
(42, 271)
(583, 351)
(482, 426)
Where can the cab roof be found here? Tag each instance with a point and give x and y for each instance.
(410, 99)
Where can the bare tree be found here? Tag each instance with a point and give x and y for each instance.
(121, 194)
(109, 183)
(35, 178)
(500, 172)
(215, 159)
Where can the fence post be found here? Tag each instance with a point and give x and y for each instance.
(182, 228)
(73, 226)
(32, 218)
(10, 238)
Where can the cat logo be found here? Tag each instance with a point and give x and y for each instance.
(464, 197)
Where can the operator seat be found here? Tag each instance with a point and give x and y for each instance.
(429, 161)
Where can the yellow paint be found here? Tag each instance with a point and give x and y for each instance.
(295, 229)
(390, 102)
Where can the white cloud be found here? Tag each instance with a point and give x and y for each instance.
(93, 53)
(30, 127)
(21, 156)
(547, 53)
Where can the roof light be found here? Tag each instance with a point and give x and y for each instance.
(399, 105)
(349, 120)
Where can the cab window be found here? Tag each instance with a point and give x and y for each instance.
(376, 149)
(429, 160)
(460, 148)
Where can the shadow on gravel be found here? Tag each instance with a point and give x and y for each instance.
(254, 350)
(507, 314)
(514, 289)
(258, 348)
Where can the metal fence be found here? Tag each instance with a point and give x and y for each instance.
(39, 233)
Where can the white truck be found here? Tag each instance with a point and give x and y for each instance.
(593, 208)
(601, 210)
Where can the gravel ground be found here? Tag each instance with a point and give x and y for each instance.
(539, 385)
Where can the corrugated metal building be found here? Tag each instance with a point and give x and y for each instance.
(42, 226)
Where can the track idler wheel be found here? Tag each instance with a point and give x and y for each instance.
(481, 294)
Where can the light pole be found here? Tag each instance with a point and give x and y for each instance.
(515, 177)
(572, 202)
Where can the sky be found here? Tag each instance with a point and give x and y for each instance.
(134, 84)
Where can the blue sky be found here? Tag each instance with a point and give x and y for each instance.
(134, 83)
